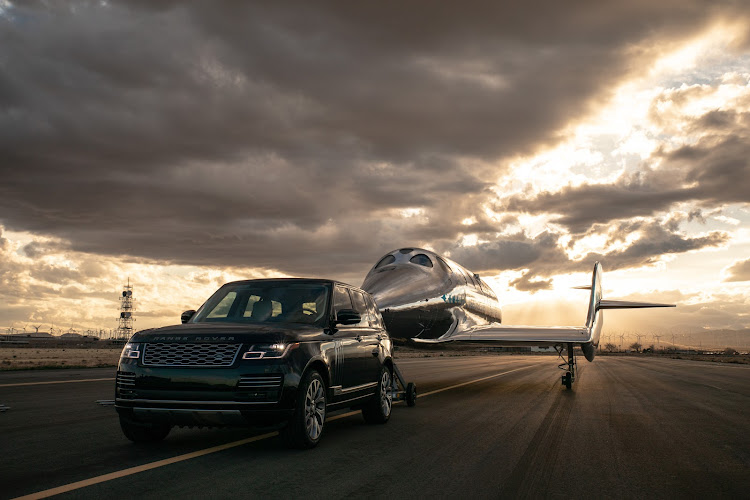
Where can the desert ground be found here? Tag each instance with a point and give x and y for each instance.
(33, 357)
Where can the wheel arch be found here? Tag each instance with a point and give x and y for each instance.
(388, 362)
(321, 367)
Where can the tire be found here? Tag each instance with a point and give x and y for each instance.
(144, 433)
(305, 428)
(411, 394)
(378, 409)
(567, 380)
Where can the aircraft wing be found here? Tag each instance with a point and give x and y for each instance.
(498, 334)
(587, 336)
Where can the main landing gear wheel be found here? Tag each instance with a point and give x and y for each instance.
(378, 409)
(411, 394)
(567, 380)
(569, 365)
(306, 425)
(144, 433)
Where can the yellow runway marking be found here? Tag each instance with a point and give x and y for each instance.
(180, 458)
(57, 382)
(141, 468)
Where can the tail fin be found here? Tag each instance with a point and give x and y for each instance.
(595, 318)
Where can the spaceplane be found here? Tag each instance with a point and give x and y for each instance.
(426, 298)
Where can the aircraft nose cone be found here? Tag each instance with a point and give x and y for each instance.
(394, 286)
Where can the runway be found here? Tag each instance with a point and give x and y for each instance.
(484, 426)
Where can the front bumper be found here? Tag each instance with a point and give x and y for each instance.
(256, 392)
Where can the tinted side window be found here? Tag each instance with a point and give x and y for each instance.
(359, 302)
(341, 299)
(361, 307)
(375, 319)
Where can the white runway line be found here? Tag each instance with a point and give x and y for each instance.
(469, 382)
(180, 458)
(57, 382)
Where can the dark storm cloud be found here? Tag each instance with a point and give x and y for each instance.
(739, 271)
(277, 135)
(544, 255)
(514, 252)
(713, 172)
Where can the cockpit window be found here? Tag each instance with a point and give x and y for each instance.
(421, 259)
(388, 259)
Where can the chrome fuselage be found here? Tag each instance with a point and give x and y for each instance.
(425, 296)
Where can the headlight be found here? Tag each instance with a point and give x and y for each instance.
(131, 351)
(267, 351)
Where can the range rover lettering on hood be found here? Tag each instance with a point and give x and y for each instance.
(196, 339)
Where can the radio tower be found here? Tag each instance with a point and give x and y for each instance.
(127, 307)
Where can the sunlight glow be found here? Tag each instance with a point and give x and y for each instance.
(411, 212)
(469, 240)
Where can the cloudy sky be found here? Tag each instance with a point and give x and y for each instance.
(184, 144)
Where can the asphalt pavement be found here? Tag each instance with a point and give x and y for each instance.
(484, 426)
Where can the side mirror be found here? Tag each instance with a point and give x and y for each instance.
(185, 317)
(348, 317)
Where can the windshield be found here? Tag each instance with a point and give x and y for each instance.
(266, 302)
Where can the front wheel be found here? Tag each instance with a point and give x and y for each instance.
(378, 409)
(411, 394)
(306, 425)
(144, 433)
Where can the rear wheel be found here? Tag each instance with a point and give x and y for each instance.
(567, 380)
(378, 409)
(306, 425)
(142, 432)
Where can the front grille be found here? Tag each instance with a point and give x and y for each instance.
(260, 387)
(206, 355)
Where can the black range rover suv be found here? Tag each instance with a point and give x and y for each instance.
(259, 353)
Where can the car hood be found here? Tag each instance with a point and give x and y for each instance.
(228, 332)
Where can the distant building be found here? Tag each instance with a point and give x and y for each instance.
(41, 335)
(542, 349)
